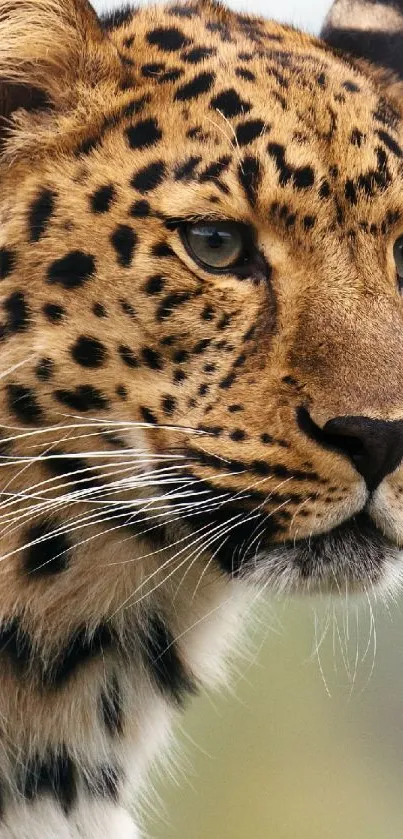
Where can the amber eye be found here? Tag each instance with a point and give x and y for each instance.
(216, 245)
(398, 255)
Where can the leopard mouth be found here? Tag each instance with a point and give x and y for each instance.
(355, 553)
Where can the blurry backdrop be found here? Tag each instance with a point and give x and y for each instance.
(309, 743)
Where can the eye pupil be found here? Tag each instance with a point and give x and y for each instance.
(216, 246)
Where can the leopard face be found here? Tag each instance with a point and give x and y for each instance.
(201, 261)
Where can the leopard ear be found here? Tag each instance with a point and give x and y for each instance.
(50, 50)
(368, 30)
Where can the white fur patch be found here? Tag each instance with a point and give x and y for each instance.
(358, 14)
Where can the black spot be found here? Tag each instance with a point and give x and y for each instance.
(237, 435)
(186, 170)
(83, 646)
(248, 131)
(230, 104)
(124, 241)
(198, 54)
(128, 357)
(201, 346)
(102, 199)
(356, 137)
(170, 76)
(214, 170)
(89, 352)
(24, 405)
(227, 382)
(180, 356)
(140, 209)
(151, 358)
(249, 177)
(148, 416)
(324, 189)
(50, 554)
(44, 369)
(198, 85)
(83, 398)
(143, 134)
(72, 271)
(390, 143)
(352, 87)
(152, 70)
(103, 782)
(221, 29)
(168, 404)
(40, 213)
(17, 310)
(149, 177)
(112, 20)
(309, 222)
(53, 312)
(154, 285)
(233, 409)
(128, 42)
(99, 310)
(244, 73)
(8, 259)
(182, 11)
(128, 309)
(179, 376)
(168, 39)
(53, 774)
(111, 708)
(302, 177)
(121, 391)
(163, 661)
(207, 313)
(162, 249)
(386, 113)
(170, 303)
(15, 642)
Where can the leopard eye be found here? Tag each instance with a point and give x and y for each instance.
(398, 255)
(216, 245)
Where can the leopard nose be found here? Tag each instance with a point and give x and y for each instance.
(375, 447)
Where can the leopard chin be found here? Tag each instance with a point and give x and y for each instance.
(354, 557)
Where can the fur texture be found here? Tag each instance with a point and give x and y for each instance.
(176, 437)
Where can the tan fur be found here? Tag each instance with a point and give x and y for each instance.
(327, 336)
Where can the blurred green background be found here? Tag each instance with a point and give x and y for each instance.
(309, 745)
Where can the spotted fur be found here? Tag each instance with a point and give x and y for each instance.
(173, 438)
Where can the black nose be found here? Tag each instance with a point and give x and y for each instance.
(375, 447)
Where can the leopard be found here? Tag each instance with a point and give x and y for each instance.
(201, 382)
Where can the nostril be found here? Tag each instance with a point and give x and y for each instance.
(342, 442)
